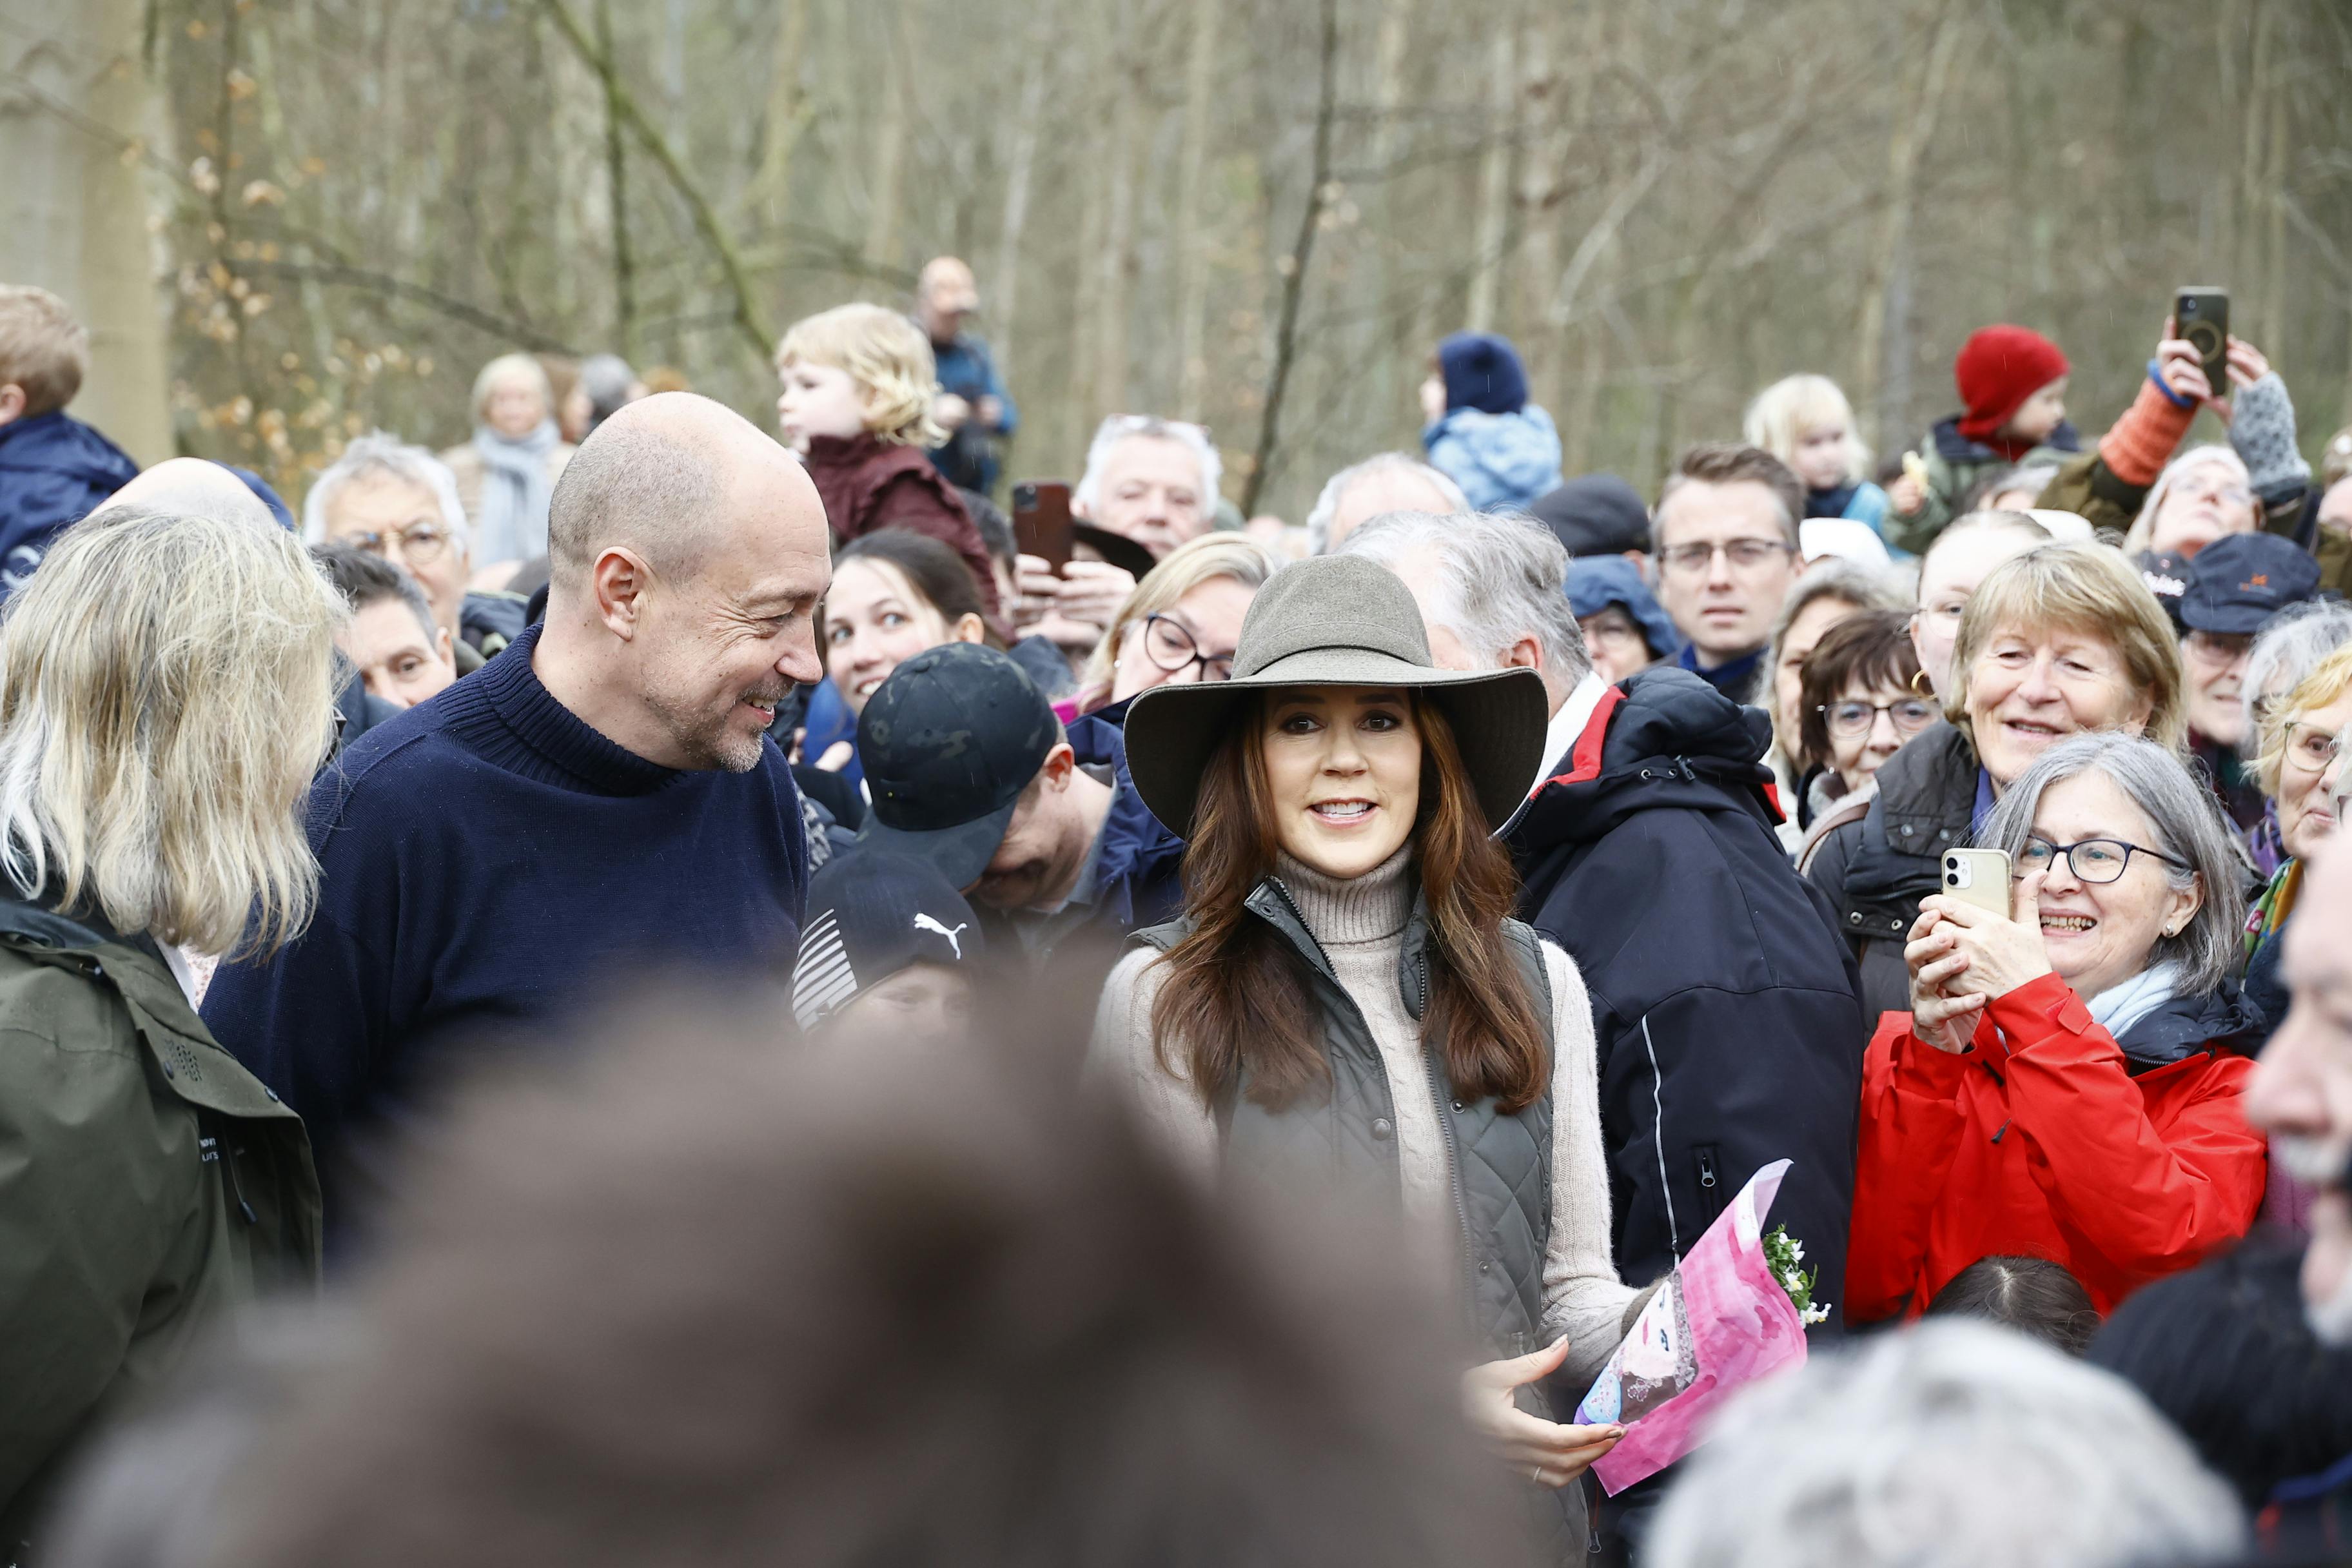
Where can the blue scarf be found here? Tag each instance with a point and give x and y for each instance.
(511, 524)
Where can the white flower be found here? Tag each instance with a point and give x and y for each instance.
(1797, 1251)
(1818, 1312)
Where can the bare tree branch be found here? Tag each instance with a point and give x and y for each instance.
(748, 318)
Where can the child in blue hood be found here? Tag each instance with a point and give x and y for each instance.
(1483, 433)
(54, 469)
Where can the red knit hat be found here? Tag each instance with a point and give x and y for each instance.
(1998, 368)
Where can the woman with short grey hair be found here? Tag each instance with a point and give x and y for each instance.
(2065, 1085)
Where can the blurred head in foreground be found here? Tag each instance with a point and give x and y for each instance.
(720, 1296)
(1953, 1445)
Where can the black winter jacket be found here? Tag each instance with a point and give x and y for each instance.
(1723, 1001)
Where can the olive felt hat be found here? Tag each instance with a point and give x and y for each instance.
(1339, 620)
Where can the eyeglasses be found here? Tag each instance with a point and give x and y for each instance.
(2191, 489)
(1745, 555)
(2310, 748)
(421, 543)
(1169, 646)
(2217, 649)
(1909, 716)
(2094, 860)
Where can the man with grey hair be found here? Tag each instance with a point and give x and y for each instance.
(601, 800)
(398, 501)
(1147, 479)
(1492, 589)
(1723, 1001)
(1392, 481)
(1954, 1445)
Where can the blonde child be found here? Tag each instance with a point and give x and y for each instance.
(1806, 422)
(54, 469)
(857, 384)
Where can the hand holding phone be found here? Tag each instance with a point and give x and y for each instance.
(1042, 525)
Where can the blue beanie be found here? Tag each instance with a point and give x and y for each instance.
(1482, 372)
(1595, 583)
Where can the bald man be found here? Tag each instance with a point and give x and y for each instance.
(972, 406)
(597, 805)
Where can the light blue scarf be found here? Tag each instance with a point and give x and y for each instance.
(2120, 1006)
(511, 522)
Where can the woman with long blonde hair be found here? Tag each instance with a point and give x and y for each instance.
(166, 694)
(1180, 623)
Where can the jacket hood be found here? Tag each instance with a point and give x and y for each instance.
(1138, 850)
(1662, 737)
(2222, 1020)
(57, 445)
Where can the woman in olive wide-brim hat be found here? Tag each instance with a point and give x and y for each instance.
(1345, 995)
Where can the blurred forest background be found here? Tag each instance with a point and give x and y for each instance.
(290, 220)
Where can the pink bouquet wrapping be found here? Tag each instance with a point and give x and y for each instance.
(1721, 1321)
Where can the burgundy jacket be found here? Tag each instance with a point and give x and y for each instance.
(868, 486)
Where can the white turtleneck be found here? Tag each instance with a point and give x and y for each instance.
(1360, 924)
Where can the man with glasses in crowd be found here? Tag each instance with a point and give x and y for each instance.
(1726, 541)
(400, 502)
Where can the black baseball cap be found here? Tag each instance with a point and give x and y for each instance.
(870, 916)
(1595, 514)
(949, 742)
(2238, 581)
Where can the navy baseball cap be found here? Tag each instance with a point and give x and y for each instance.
(948, 744)
(869, 916)
(2237, 582)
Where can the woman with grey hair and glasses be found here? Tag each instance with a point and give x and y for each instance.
(2066, 1083)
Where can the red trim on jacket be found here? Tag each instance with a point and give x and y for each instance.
(2040, 1144)
(1584, 757)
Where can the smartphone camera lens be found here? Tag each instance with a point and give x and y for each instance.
(2189, 307)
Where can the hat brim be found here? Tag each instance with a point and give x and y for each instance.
(1498, 718)
(960, 853)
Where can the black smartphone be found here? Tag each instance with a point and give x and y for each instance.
(2203, 317)
(1041, 520)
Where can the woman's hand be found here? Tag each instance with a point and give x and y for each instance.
(2247, 363)
(1945, 1022)
(2181, 369)
(2002, 952)
(1432, 399)
(1546, 1452)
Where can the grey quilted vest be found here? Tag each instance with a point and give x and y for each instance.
(1501, 1163)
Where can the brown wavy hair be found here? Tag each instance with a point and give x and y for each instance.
(1236, 994)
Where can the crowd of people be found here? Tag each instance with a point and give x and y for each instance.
(1122, 971)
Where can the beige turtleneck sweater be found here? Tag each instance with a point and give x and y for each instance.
(1360, 925)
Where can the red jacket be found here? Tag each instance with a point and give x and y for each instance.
(868, 486)
(2049, 1140)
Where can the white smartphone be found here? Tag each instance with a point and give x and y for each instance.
(1979, 877)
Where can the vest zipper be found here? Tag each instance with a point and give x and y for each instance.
(1442, 1093)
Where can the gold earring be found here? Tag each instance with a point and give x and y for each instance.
(1920, 685)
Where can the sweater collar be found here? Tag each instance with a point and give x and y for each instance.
(573, 753)
(1371, 908)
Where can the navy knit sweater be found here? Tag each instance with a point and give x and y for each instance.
(491, 861)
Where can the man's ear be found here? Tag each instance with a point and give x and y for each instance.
(443, 648)
(969, 627)
(1060, 766)
(621, 583)
(12, 402)
(1524, 653)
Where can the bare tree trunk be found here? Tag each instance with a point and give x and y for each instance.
(1913, 134)
(890, 139)
(1494, 180)
(1294, 274)
(616, 185)
(1387, 99)
(2245, 234)
(788, 115)
(1192, 287)
(73, 209)
(1117, 258)
(1020, 167)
